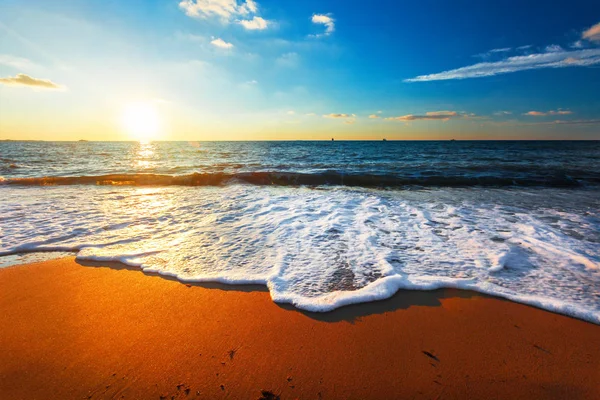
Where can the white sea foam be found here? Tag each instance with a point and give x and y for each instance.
(320, 249)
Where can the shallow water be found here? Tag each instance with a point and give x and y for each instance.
(323, 248)
(322, 224)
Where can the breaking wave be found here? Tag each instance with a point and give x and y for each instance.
(307, 179)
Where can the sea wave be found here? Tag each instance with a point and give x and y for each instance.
(331, 178)
(323, 249)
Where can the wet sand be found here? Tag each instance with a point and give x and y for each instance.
(70, 331)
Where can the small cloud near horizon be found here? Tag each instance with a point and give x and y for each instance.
(28, 81)
(431, 115)
(339, 115)
(348, 118)
(546, 113)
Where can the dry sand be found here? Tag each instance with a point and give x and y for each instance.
(73, 332)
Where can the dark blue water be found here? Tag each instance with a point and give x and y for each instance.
(349, 163)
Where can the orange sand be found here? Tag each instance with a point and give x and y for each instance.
(69, 331)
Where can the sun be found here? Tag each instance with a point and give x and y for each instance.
(141, 121)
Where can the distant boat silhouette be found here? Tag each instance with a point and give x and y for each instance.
(82, 140)
(384, 139)
(332, 139)
(453, 140)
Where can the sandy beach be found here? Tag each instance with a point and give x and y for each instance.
(72, 331)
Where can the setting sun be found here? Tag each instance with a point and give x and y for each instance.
(141, 121)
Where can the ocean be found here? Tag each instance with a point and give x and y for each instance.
(321, 224)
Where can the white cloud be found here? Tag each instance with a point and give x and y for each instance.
(326, 20)
(28, 81)
(502, 50)
(256, 23)
(577, 45)
(16, 62)
(243, 12)
(218, 42)
(527, 46)
(224, 9)
(430, 116)
(553, 48)
(502, 113)
(546, 113)
(252, 6)
(291, 112)
(373, 116)
(592, 33)
(553, 59)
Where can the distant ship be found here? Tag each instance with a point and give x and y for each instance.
(384, 139)
(332, 139)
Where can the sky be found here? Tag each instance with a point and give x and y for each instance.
(299, 70)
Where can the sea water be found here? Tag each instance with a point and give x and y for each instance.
(322, 224)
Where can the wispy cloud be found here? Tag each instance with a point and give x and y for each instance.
(288, 60)
(592, 34)
(431, 116)
(577, 44)
(373, 116)
(578, 122)
(546, 113)
(16, 62)
(559, 122)
(218, 42)
(243, 12)
(551, 59)
(493, 51)
(28, 81)
(502, 113)
(324, 19)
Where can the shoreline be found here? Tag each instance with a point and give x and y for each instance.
(93, 331)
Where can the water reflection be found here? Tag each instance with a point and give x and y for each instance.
(144, 155)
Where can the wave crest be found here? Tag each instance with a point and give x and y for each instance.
(300, 179)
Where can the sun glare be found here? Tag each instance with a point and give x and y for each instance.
(141, 121)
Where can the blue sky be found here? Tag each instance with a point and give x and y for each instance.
(264, 69)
